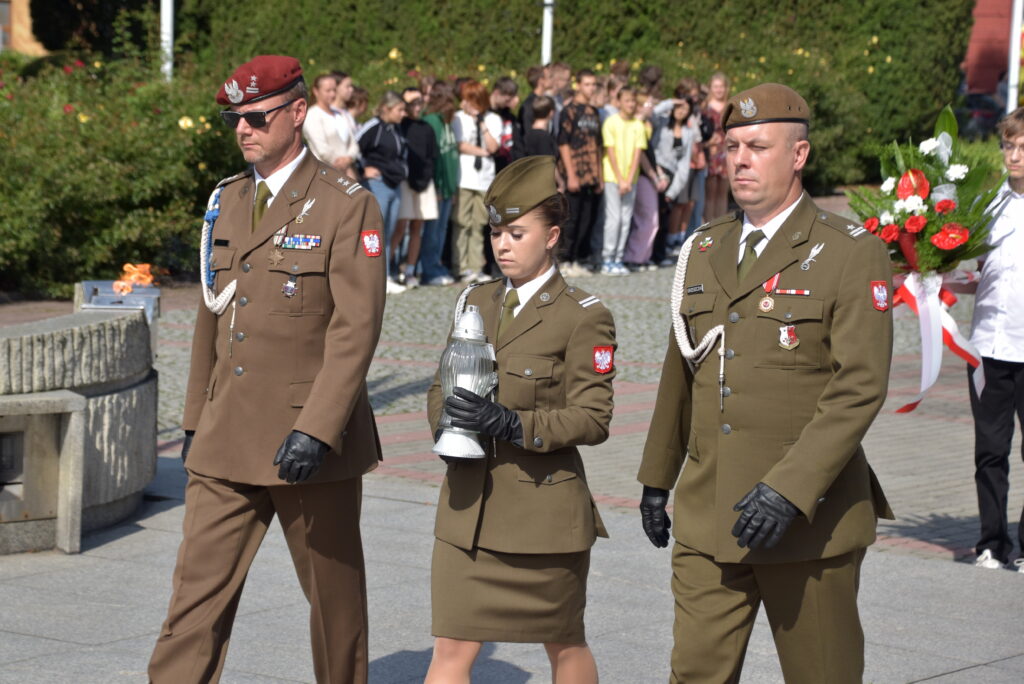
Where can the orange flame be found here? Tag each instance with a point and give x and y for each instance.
(133, 274)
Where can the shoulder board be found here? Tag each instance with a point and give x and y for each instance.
(581, 297)
(237, 176)
(339, 181)
(851, 228)
(726, 218)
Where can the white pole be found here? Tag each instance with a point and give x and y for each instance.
(549, 22)
(1013, 74)
(167, 37)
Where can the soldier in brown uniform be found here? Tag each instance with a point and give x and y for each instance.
(277, 416)
(514, 529)
(777, 363)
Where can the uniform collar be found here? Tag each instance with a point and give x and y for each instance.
(276, 180)
(769, 229)
(528, 289)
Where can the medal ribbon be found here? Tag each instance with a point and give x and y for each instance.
(770, 284)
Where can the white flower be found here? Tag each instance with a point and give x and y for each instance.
(888, 185)
(910, 205)
(956, 172)
(928, 146)
(886, 218)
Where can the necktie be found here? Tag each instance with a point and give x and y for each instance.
(508, 311)
(749, 254)
(478, 163)
(263, 196)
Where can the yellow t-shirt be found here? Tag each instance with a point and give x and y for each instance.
(626, 136)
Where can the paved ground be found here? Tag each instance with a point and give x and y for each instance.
(93, 617)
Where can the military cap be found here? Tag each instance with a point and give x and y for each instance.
(260, 78)
(520, 187)
(765, 103)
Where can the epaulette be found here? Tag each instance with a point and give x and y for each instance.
(339, 181)
(850, 228)
(725, 218)
(237, 176)
(582, 297)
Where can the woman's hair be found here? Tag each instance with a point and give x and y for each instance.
(319, 79)
(719, 76)
(358, 98)
(442, 101)
(554, 211)
(672, 121)
(388, 100)
(475, 92)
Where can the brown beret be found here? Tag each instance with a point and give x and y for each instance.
(765, 103)
(260, 78)
(520, 187)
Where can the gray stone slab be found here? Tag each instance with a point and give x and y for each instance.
(82, 665)
(17, 647)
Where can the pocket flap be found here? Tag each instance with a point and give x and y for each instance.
(547, 478)
(297, 262)
(222, 258)
(791, 310)
(298, 392)
(698, 303)
(531, 367)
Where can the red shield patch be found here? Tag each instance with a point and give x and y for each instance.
(371, 242)
(880, 294)
(604, 357)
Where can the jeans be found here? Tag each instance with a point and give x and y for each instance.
(431, 247)
(388, 198)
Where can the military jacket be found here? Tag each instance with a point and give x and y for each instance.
(803, 380)
(292, 350)
(555, 369)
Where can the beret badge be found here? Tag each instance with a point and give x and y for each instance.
(233, 92)
(748, 108)
(493, 215)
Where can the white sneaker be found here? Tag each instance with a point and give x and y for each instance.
(393, 288)
(1020, 565)
(608, 269)
(440, 281)
(988, 561)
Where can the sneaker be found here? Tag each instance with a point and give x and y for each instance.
(620, 269)
(988, 561)
(608, 269)
(411, 282)
(393, 288)
(440, 281)
(1019, 563)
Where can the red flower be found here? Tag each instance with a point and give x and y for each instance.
(915, 224)
(79, 63)
(871, 225)
(67, 69)
(890, 232)
(10, 96)
(913, 182)
(945, 206)
(951, 236)
(68, 109)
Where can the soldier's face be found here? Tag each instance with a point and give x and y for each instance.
(763, 162)
(267, 145)
(523, 248)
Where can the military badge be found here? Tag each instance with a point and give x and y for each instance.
(233, 92)
(275, 258)
(787, 337)
(300, 242)
(854, 230)
(493, 216)
(290, 287)
(880, 294)
(252, 88)
(604, 357)
(705, 243)
(371, 242)
(695, 289)
(748, 108)
(815, 251)
(305, 210)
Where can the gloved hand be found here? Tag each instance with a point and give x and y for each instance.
(187, 444)
(300, 457)
(765, 518)
(470, 411)
(652, 513)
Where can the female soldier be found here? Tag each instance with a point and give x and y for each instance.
(514, 529)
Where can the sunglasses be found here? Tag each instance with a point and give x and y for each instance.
(254, 119)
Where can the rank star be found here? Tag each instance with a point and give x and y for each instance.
(275, 258)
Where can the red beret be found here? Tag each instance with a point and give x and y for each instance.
(260, 78)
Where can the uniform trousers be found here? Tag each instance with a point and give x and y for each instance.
(224, 525)
(1002, 397)
(811, 607)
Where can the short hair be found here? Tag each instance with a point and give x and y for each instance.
(411, 89)
(388, 100)
(298, 91)
(506, 86)
(583, 73)
(561, 66)
(542, 107)
(626, 90)
(534, 74)
(1012, 126)
(798, 131)
(476, 92)
(620, 68)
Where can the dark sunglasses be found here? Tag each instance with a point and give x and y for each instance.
(254, 119)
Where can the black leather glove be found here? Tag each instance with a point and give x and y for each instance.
(470, 411)
(765, 518)
(300, 457)
(187, 444)
(652, 513)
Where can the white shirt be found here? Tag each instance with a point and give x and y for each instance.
(276, 180)
(769, 229)
(528, 289)
(464, 127)
(998, 326)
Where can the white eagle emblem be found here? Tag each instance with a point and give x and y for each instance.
(371, 243)
(494, 216)
(603, 359)
(233, 92)
(748, 108)
(880, 294)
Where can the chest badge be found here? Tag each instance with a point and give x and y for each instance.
(787, 337)
(371, 242)
(604, 358)
(290, 287)
(880, 294)
(275, 258)
(705, 243)
(815, 251)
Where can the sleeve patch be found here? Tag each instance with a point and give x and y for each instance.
(371, 242)
(880, 294)
(604, 358)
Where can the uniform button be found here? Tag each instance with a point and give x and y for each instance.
(571, 290)
(729, 353)
(240, 336)
(691, 308)
(243, 301)
(788, 315)
(726, 391)
(239, 370)
(295, 267)
(538, 442)
(726, 429)
(528, 372)
(246, 268)
(733, 317)
(821, 500)
(548, 479)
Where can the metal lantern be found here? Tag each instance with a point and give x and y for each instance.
(467, 362)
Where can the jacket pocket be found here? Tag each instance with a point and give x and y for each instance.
(298, 392)
(696, 308)
(790, 335)
(518, 378)
(304, 274)
(221, 259)
(543, 479)
(209, 388)
(692, 450)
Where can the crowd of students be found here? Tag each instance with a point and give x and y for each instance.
(640, 171)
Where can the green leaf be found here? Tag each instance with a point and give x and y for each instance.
(946, 123)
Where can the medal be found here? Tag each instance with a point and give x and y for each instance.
(767, 303)
(290, 287)
(275, 258)
(787, 337)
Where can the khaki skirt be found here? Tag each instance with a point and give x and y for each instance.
(483, 595)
